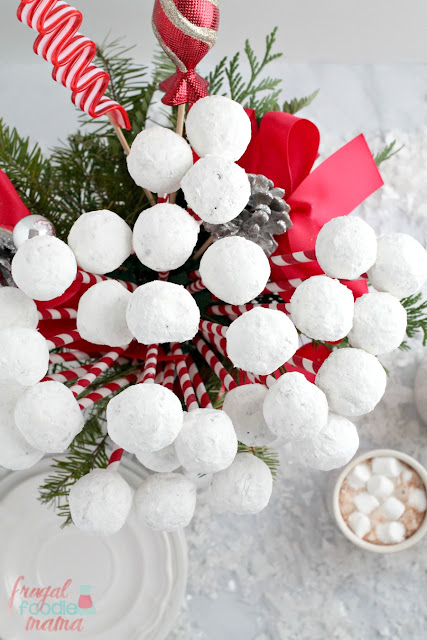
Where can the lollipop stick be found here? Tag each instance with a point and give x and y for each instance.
(203, 248)
(180, 131)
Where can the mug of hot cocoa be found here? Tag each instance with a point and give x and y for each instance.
(379, 501)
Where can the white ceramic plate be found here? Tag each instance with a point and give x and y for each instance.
(137, 577)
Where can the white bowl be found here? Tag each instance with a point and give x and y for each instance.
(363, 544)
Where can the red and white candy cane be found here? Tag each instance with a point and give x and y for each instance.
(96, 370)
(283, 285)
(194, 275)
(216, 366)
(104, 392)
(299, 257)
(71, 54)
(232, 310)
(265, 380)
(148, 373)
(91, 278)
(185, 380)
(218, 341)
(164, 275)
(160, 375)
(169, 377)
(199, 386)
(195, 287)
(115, 458)
(69, 374)
(63, 339)
(70, 357)
(57, 314)
(214, 328)
(304, 363)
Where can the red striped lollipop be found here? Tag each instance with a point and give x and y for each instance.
(186, 30)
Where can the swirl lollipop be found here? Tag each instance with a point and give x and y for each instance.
(186, 30)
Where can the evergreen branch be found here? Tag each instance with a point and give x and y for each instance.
(417, 317)
(217, 76)
(388, 152)
(269, 456)
(296, 104)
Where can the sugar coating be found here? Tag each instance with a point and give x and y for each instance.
(261, 340)
(101, 241)
(100, 502)
(346, 247)
(158, 159)
(243, 405)
(218, 126)
(44, 267)
(166, 501)
(365, 502)
(207, 442)
(15, 452)
(359, 523)
(48, 416)
(101, 314)
(359, 476)
(393, 508)
(163, 460)
(417, 499)
(390, 532)
(354, 381)
(235, 270)
(322, 308)
(400, 267)
(24, 356)
(162, 312)
(17, 309)
(331, 448)
(380, 486)
(386, 466)
(379, 323)
(245, 487)
(216, 189)
(294, 408)
(144, 418)
(164, 236)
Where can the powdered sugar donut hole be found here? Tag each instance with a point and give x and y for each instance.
(218, 126)
(162, 312)
(244, 405)
(400, 267)
(261, 340)
(162, 460)
(379, 323)
(346, 247)
(322, 308)
(100, 502)
(44, 267)
(164, 236)
(101, 241)
(24, 356)
(101, 314)
(166, 501)
(216, 189)
(353, 381)
(235, 270)
(158, 159)
(17, 309)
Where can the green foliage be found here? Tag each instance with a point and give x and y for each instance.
(388, 152)
(296, 104)
(416, 310)
(269, 456)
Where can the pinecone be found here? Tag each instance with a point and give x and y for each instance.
(266, 215)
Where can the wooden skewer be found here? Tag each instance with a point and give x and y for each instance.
(203, 248)
(126, 148)
(180, 131)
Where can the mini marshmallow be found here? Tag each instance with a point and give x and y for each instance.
(346, 247)
(144, 418)
(162, 312)
(243, 405)
(261, 340)
(380, 486)
(359, 476)
(17, 309)
(101, 241)
(163, 460)
(386, 466)
(218, 126)
(354, 381)
(100, 502)
(400, 267)
(406, 475)
(48, 416)
(294, 408)
(166, 501)
(417, 499)
(379, 323)
(216, 189)
(245, 487)
(158, 159)
(390, 532)
(164, 236)
(15, 452)
(393, 508)
(24, 356)
(207, 442)
(359, 523)
(101, 314)
(365, 502)
(235, 270)
(322, 308)
(44, 267)
(331, 448)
